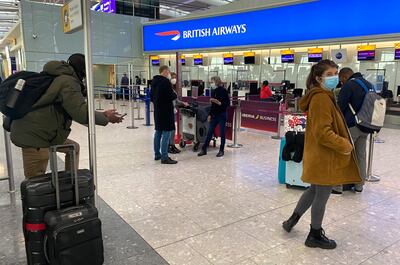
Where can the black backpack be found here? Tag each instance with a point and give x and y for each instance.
(36, 84)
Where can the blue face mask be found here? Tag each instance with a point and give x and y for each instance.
(331, 82)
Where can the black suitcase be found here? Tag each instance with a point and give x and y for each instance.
(73, 235)
(38, 197)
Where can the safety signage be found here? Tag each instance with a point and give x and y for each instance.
(304, 22)
(71, 14)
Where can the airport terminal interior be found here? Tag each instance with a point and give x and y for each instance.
(205, 210)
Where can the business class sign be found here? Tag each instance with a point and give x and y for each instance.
(307, 22)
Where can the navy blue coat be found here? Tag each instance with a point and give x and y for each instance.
(354, 94)
(163, 96)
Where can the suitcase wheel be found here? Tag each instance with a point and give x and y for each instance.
(196, 147)
(182, 144)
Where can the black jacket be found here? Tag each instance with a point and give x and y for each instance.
(162, 97)
(354, 94)
(222, 95)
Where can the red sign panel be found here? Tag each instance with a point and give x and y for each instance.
(260, 115)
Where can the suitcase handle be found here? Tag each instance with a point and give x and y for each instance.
(54, 171)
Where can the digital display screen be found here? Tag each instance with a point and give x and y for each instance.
(249, 60)
(228, 60)
(155, 62)
(315, 57)
(366, 55)
(397, 54)
(287, 58)
(183, 61)
(106, 6)
(198, 61)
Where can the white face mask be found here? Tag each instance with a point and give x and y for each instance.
(173, 81)
(169, 76)
(213, 85)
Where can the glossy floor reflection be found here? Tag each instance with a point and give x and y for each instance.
(229, 210)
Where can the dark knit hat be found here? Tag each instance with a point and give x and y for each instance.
(77, 61)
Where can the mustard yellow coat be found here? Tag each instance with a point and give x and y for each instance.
(329, 157)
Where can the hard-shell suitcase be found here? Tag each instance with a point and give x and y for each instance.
(38, 197)
(73, 235)
(293, 175)
(282, 163)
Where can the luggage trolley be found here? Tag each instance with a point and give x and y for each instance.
(194, 125)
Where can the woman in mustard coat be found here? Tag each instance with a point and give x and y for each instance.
(329, 157)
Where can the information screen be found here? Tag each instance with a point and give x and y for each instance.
(366, 55)
(198, 61)
(228, 60)
(183, 61)
(287, 58)
(315, 57)
(155, 62)
(397, 54)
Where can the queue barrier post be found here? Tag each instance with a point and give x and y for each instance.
(113, 95)
(138, 108)
(236, 127)
(131, 106)
(370, 176)
(123, 97)
(147, 102)
(10, 166)
(99, 99)
(280, 116)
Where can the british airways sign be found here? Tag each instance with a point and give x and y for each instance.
(321, 20)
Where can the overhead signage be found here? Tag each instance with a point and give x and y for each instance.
(397, 52)
(106, 6)
(366, 52)
(315, 55)
(287, 56)
(302, 23)
(71, 13)
(339, 55)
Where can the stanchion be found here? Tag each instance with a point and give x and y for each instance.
(236, 127)
(99, 100)
(278, 133)
(138, 111)
(123, 97)
(10, 168)
(132, 110)
(370, 176)
(147, 102)
(113, 96)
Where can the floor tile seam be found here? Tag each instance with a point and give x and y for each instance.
(390, 221)
(372, 257)
(139, 235)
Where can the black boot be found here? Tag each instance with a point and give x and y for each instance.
(202, 153)
(291, 222)
(177, 151)
(171, 149)
(317, 239)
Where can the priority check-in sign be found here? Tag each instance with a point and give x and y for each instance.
(307, 22)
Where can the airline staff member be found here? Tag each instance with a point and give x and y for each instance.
(266, 91)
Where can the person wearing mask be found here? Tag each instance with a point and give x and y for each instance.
(163, 96)
(265, 91)
(329, 157)
(50, 123)
(172, 149)
(353, 94)
(219, 105)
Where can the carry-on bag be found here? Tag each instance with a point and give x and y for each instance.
(38, 197)
(73, 235)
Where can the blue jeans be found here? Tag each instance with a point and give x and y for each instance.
(172, 138)
(215, 120)
(161, 141)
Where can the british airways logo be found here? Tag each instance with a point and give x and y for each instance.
(205, 32)
(175, 33)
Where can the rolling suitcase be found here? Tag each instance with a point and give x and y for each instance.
(282, 163)
(73, 235)
(38, 197)
(293, 175)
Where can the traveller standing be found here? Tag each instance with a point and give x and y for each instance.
(163, 96)
(265, 91)
(172, 149)
(219, 105)
(329, 157)
(353, 94)
(50, 123)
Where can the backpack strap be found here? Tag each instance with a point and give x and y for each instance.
(361, 83)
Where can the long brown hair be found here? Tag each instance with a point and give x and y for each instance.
(317, 71)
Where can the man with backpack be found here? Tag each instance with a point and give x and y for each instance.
(49, 119)
(352, 95)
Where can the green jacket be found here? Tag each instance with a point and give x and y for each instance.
(62, 103)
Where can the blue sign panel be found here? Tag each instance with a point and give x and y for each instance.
(319, 20)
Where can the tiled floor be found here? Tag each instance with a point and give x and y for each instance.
(229, 210)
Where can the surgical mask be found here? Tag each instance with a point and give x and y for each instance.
(331, 82)
(173, 81)
(213, 85)
(169, 76)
